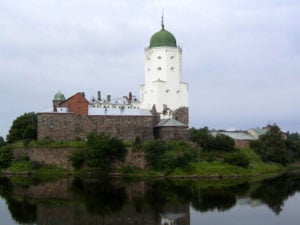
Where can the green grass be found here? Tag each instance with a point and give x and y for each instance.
(50, 144)
(20, 166)
(30, 168)
(211, 165)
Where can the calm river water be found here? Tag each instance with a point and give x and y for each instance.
(77, 201)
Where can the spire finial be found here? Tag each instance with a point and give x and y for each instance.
(162, 20)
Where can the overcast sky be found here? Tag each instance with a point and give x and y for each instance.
(241, 58)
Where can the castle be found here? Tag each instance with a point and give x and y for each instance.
(160, 112)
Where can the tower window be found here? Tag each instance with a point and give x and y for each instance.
(159, 57)
(158, 68)
(168, 90)
(172, 57)
(148, 69)
(172, 68)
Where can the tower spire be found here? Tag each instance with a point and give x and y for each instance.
(162, 20)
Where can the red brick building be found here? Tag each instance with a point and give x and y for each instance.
(76, 104)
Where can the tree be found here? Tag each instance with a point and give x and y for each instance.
(2, 142)
(103, 151)
(237, 159)
(222, 142)
(23, 127)
(6, 156)
(202, 137)
(271, 146)
(161, 155)
(205, 140)
(293, 145)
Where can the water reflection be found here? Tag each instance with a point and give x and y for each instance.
(117, 201)
(273, 192)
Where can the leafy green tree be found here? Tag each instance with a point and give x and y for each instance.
(6, 156)
(154, 154)
(103, 151)
(2, 142)
(23, 127)
(222, 143)
(202, 137)
(205, 140)
(237, 159)
(293, 145)
(271, 146)
(77, 159)
(161, 155)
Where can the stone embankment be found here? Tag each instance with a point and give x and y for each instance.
(59, 157)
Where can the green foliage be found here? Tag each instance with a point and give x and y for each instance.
(137, 144)
(293, 145)
(222, 143)
(237, 159)
(6, 156)
(271, 146)
(130, 169)
(77, 159)
(202, 137)
(205, 140)
(154, 153)
(102, 151)
(24, 127)
(2, 141)
(161, 155)
(49, 143)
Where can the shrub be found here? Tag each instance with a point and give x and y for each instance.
(162, 155)
(237, 159)
(130, 169)
(77, 159)
(223, 143)
(102, 151)
(6, 156)
(35, 165)
(271, 146)
(206, 141)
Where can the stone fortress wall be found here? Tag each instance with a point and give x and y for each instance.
(69, 126)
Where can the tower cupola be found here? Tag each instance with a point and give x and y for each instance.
(163, 38)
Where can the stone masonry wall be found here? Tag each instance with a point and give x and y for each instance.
(68, 126)
(59, 157)
(49, 156)
(182, 114)
(172, 133)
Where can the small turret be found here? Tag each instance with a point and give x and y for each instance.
(58, 98)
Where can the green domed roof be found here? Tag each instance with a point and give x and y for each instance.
(163, 38)
(59, 97)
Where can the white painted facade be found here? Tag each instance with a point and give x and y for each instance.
(163, 87)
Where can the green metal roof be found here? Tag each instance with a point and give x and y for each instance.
(259, 131)
(235, 135)
(163, 38)
(59, 96)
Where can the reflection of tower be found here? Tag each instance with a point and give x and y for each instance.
(163, 87)
(175, 215)
(171, 218)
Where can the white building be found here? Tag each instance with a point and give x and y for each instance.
(163, 87)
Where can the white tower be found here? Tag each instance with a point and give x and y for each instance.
(163, 87)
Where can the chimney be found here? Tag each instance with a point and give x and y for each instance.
(130, 96)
